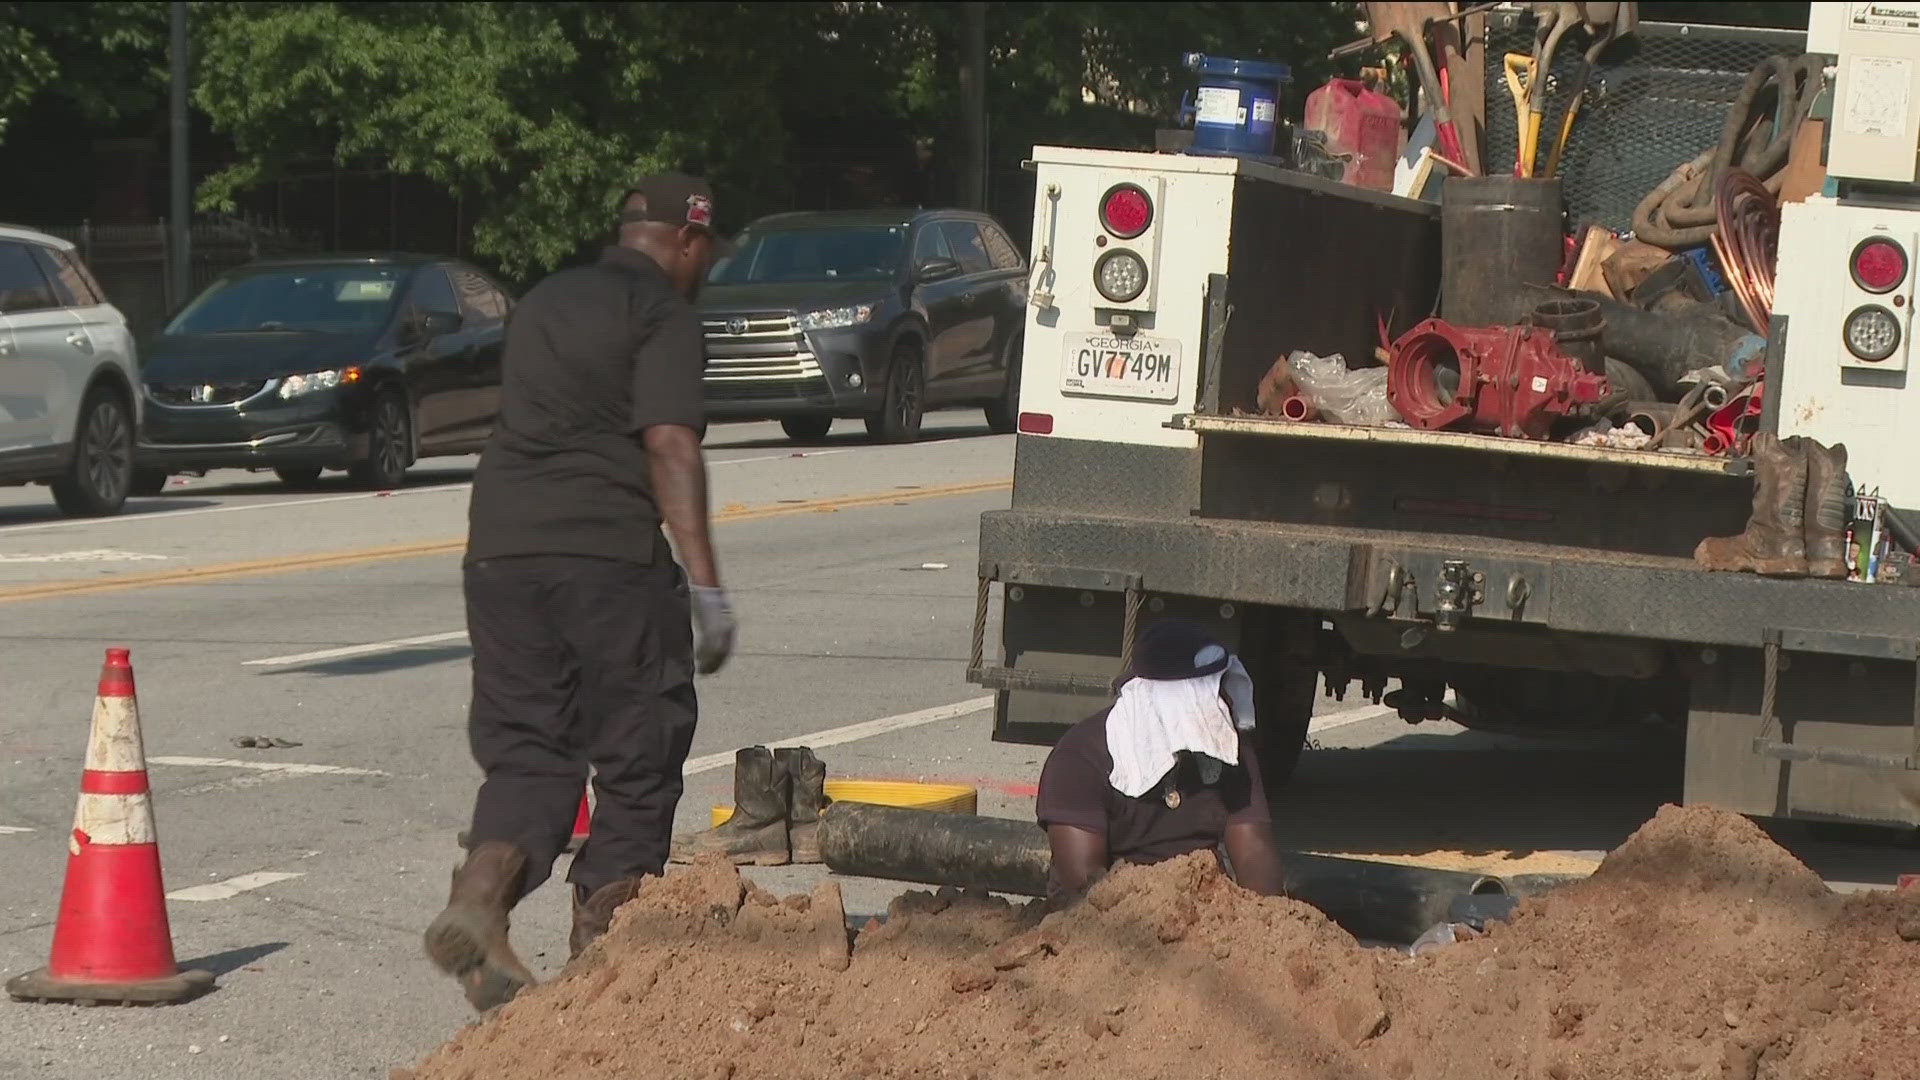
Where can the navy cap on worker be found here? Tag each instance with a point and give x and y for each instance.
(1168, 769)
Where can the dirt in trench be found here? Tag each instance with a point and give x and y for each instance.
(1699, 949)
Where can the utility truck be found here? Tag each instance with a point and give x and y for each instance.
(1518, 585)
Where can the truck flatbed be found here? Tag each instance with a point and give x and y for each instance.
(1457, 440)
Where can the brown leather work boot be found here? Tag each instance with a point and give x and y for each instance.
(1775, 541)
(807, 775)
(756, 834)
(468, 940)
(593, 915)
(1826, 511)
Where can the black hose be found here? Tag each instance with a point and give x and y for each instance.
(1664, 347)
(1756, 138)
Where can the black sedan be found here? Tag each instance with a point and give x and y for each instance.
(364, 363)
(876, 314)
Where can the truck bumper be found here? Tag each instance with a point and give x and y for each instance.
(1839, 740)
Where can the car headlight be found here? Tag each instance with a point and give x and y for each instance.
(1121, 276)
(294, 386)
(835, 318)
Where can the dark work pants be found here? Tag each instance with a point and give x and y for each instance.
(575, 661)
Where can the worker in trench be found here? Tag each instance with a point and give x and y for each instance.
(586, 632)
(1168, 769)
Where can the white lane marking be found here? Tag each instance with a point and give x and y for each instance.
(851, 732)
(1348, 716)
(357, 650)
(95, 555)
(232, 887)
(170, 515)
(264, 766)
(9, 830)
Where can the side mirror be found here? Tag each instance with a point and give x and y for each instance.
(428, 325)
(935, 270)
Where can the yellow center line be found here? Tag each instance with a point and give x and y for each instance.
(326, 560)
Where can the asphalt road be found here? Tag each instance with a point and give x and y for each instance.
(302, 876)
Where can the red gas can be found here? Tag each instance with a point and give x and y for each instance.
(1360, 123)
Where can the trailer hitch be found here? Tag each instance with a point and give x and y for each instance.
(1456, 595)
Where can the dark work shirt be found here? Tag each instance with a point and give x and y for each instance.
(1075, 790)
(594, 356)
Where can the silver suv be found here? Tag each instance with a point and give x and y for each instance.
(67, 409)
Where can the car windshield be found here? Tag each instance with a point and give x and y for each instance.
(858, 253)
(301, 298)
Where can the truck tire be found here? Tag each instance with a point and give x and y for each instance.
(1283, 697)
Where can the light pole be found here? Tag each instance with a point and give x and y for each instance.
(180, 185)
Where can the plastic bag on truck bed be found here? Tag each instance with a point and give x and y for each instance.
(1344, 396)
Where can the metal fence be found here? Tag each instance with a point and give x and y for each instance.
(131, 261)
(1651, 105)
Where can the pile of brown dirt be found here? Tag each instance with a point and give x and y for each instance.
(1699, 949)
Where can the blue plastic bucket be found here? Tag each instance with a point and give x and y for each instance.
(1236, 109)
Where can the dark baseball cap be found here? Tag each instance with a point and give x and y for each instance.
(671, 200)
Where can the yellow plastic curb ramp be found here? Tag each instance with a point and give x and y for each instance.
(942, 798)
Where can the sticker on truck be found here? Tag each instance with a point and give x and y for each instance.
(1104, 365)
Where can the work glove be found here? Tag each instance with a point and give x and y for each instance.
(713, 628)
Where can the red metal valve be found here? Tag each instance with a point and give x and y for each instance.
(1513, 380)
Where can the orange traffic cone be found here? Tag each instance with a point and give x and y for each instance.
(111, 942)
(581, 820)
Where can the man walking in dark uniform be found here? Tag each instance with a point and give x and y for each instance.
(586, 634)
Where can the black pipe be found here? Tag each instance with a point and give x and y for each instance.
(1665, 347)
(935, 849)
(1370, 900)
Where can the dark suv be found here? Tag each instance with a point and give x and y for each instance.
(879, 314)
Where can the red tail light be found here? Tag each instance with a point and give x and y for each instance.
(1126, 211)
(1036, 423)
(1879, 264)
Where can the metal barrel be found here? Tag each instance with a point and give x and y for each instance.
(1497, 234)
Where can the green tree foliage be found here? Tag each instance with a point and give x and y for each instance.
(108, 58)
(538, 113)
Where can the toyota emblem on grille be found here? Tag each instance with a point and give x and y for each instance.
(200, 395)
(737, 325)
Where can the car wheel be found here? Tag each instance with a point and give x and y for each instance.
(389, 443)
(906, 401)
(148, 482)
(303, 477)
(97, 482)
(806, 429)
(1003, 416)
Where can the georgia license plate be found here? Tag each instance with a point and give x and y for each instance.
(1106, 365)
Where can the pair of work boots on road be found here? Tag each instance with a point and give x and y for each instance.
(778, 796)
(469, 940)
(1799, 522)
